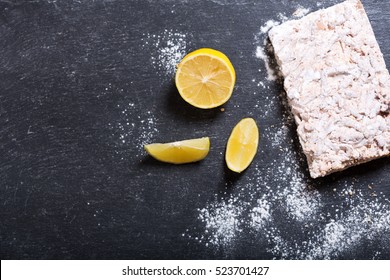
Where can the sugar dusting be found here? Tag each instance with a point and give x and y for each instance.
(260, 214)
(264, 48)
(148, 129)
(167, 49)
(364, 221)
(268, 25)
(271, 74)
(300, 12)
(279, 198)
(133, 132)
(222, 219)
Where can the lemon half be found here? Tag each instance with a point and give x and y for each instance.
(205, 78)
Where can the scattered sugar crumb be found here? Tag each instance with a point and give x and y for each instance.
(282, 17)
(264, 47)
(300, 12)
(268, 25)
(278, 136)
(260, 214)
(301, 204)
(167, 49)
(222, 219)
(260, 53)
(271, 74)
(147, 130)
(133, 132)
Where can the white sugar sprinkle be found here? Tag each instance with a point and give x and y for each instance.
(300, 12)
(167, 49)
(260, 53)
(222, 219)
(260, 214)
(134, 132)
(268, 25)
(264, 47)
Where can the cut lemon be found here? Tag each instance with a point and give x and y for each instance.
(179, 152)
(242, 145)
(205, 78)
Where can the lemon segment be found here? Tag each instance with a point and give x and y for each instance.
(205, 78)
(242, 145)
(180, 152)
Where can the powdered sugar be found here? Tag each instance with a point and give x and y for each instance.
(125, 128)
(222, 219)
(260, 214)
(271, 74)
(301, 204)
(263, 50)
(268, 25)
(364, 221)
(147, 129)
(300, 12)
(133, 132)
(168, 49)
(278, 134)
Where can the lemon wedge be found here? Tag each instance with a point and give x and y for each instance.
(205, 78)
(242, 145)
(179, 152)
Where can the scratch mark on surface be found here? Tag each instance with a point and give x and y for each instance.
(16, 190)
(26, 201)
(29, 130)
(74, 217)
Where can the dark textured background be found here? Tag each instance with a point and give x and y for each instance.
(69, 188)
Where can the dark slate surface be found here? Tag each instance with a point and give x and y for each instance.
(69, 187)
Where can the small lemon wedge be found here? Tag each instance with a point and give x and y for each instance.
(179, 152)
(242, 145)
(205, 78)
